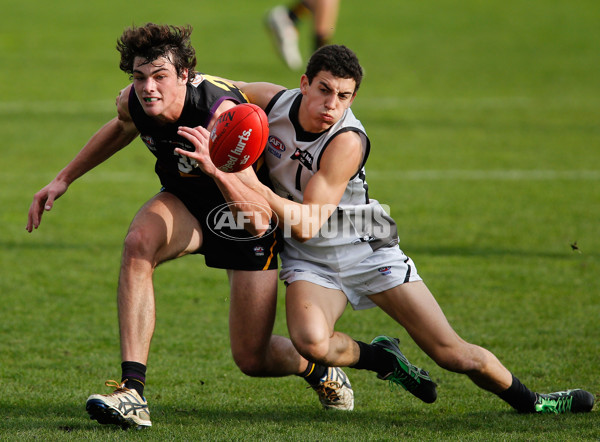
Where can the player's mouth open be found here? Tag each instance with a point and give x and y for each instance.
(150, 99)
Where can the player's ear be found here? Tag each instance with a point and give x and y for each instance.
(184, 75)
(304, 84)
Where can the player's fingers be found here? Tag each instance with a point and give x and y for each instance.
(196, 138)
(204, 131)
(49, 203)
(189, 134)
(35, 214)
(187, 153)
(199, 133)
(30, 220)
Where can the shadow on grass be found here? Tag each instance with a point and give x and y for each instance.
(254, 420)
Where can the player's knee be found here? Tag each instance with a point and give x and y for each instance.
(137, 244)
(249, 363)
(313, 349)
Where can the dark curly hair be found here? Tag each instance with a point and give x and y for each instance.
(152, 41)
(337, 59)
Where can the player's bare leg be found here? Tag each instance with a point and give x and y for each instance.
(258, 352)
(312, 312)
(163, 229)
(325, 14)
(255, 350)
(413, 306)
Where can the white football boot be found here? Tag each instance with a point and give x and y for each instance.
(285, 36)
(123, 407)
(334, 390)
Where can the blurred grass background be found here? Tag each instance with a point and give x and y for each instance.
(484, 121)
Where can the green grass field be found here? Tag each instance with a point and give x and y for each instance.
(485, 124)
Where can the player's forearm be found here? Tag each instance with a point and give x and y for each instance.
(246, 201)
(101, 146)
(301, 221)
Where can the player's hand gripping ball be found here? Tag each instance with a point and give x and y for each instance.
(238, 137)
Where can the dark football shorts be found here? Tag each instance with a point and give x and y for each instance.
(224, 248)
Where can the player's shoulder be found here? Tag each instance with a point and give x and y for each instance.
(207, 81)
(345, 141)
(122, 103)
(209, 88)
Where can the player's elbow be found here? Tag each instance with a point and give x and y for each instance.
(304, 222)
(260, 225)
(302, 234)
(300, 238)
(257, 232)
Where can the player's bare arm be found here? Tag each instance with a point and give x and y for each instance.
(340, 162)
(259, 93)
(111, 138)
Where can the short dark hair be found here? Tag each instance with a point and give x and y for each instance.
(153, 41)
(337, 59)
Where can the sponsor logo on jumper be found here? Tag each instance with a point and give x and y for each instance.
(385, 270)
(259, 251)
(231, 224)
(275, 146)
(305, 158)
(149, 142)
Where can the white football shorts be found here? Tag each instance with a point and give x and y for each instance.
(386, 268)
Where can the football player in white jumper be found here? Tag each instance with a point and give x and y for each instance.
(341, 246)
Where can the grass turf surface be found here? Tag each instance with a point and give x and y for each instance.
(484, 124)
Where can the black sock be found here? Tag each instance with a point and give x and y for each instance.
(297, 11)
(320, 41)
(313, 373)
(519, 397)
(134, 376)
(374, 358)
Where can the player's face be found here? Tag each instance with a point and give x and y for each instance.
(158, 88)
(324, 100)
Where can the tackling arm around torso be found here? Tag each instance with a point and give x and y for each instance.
(324, 190)
(340, 162)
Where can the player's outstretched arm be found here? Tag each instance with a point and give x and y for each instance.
(111, 138)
